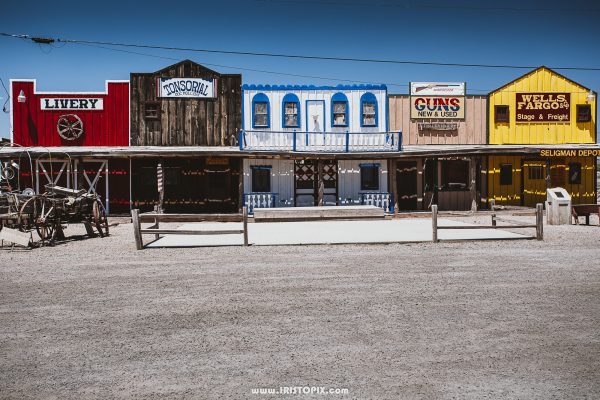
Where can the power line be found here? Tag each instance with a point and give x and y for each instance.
(249, 69)
(292, 56)
(417, 6)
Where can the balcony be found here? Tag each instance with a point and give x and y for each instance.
(331, 142)
(269, 200)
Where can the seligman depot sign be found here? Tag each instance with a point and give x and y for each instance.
(186, 88)
(543, 107)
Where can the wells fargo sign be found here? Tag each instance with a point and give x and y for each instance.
(431, 107)
(543, 107)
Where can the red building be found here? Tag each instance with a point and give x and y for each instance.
(74, 120)
(70, 119)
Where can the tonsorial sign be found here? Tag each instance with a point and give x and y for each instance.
(543, 107)
(186, 87)
(63, 103)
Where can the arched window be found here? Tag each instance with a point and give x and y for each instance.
(339, 110)
(291, 111)
(368, 110)
(260, 111)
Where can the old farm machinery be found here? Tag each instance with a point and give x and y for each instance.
(48, 213)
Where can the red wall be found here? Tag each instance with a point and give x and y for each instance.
(35, 127)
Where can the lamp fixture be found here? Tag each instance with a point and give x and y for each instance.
(590, 96)
(21, 97)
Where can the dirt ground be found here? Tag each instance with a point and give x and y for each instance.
(478, 320)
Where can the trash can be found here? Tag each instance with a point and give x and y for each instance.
(558, 206)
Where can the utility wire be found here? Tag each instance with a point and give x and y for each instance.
(292, 56)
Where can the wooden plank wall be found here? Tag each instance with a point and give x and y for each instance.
(187, 122)
(511, 194)
(282, 178)
(471, 130)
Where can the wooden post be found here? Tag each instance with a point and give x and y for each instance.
(137, 234)
(392, 165)
(245, 218)
(434, 212)
(539, 221)
(157, 226)
(493, 219)
(241, 186)
(492, 204)
(473, 185)
(320, 184)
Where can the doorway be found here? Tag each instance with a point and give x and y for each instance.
(406, 182)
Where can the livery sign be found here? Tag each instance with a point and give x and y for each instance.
(63, 103)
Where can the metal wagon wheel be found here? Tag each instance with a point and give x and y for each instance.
(39, 212)
(100, 219)
(70, 127)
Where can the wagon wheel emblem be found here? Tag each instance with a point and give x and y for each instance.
(70, 127)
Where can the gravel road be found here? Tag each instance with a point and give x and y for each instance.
(477, 320)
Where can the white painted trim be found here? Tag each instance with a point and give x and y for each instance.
(10, 99)
(106, 82)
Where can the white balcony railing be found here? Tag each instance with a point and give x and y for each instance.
(335, 142)
(378, 199)
(259, 200)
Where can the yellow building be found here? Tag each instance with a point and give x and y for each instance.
(542, 108)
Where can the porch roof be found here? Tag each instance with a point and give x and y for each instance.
(409, 151)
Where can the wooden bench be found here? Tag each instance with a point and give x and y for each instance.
(584, 210)
(157, 231)
(318, 213)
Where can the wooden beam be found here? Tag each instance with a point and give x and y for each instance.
(137, 234)
(393, 170)
(189, 232)
(320, 184)
(473, 183)
(152, 217)
(434, 225)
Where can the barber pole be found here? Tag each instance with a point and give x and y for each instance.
(161, 187)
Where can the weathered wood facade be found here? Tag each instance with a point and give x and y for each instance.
(470, 130)
(185, 121)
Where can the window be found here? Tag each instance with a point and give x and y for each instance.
(172, 176)
(455, 175)
(535, 172)
(291, 111)
(151, 110)
(505, 174)
(501, 114)
(260, 111)
(261, 178)
(339, 110)
(369, 177)
(368, 110)
(575, 173)
(584, 112)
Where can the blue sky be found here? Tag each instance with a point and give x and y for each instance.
(552, 33)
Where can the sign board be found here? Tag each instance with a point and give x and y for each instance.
(195, 88)
(217, 161)
(437, 126)
(543, 107)
(570, 153)
(68, 103)
(437, 88)
(433, 107)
